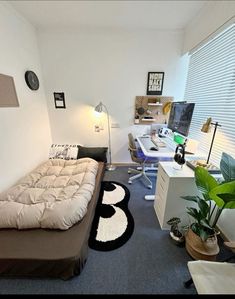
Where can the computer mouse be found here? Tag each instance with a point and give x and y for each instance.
(153, 149)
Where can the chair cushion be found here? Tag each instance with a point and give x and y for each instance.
(141, 155)
(150, 160)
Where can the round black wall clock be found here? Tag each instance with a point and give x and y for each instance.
(31, 80)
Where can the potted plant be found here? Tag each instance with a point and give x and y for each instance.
(201, 237)
(175, 233)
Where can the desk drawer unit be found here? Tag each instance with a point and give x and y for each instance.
(161, 194)
(159, 210)
(162, 174)
(159, 206)
(162, 185)
(171, 185)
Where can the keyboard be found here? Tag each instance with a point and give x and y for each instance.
(157, 141)
(148, 144)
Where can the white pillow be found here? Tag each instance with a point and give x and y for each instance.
(63, 151)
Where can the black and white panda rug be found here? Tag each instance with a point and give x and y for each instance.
(113, 223)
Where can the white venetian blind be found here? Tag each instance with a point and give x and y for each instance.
(211, 86)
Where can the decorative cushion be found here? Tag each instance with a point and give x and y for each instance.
(97, 153)
(63, 151)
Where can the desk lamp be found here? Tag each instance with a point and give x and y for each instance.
(209, 166)
(100, 108)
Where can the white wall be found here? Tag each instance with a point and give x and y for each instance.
(209, 19)
(109, 66)
(24, 131)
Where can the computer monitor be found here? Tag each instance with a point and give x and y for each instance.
(180, 117)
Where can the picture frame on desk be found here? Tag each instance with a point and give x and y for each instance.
(155, 83)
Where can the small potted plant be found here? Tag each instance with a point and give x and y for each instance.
(175, 232)
(201, 237)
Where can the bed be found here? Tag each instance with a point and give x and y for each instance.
(46, 252)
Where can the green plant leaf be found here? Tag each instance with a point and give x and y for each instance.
(203, 234)
(205, 223)
(227, 167)
(194, 213)
(200, 231)
(190, 198)
(204, 208)
(204, 181)
(224, 194)
(206, 196)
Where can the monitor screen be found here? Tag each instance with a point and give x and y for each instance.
(180, 117)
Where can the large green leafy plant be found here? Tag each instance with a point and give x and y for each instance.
(215, 197)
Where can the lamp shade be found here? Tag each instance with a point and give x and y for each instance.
(206, 126)
(99, 107)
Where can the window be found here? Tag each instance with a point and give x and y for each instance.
(211, 86)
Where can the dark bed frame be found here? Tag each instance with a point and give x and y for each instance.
(45, 252)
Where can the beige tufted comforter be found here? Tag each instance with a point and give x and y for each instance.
(55, 195)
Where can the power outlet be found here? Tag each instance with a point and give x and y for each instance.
(97, 128)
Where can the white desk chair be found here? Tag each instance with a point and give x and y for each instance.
(138, 156)
(213, 277)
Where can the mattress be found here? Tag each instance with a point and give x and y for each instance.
(45, 252)
(55, 195)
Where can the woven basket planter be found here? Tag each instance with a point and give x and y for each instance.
(201, 250)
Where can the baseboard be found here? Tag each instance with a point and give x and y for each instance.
(126, 164)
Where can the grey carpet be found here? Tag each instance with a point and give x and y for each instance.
(149, 263)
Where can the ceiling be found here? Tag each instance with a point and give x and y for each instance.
(162, 15)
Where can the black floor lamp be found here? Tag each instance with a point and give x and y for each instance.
(100, 108)
(205, 128)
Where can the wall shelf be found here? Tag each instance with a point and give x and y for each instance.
(148, 119)
(155, 106)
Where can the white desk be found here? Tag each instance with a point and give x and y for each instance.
(163, 152)
(168, 151)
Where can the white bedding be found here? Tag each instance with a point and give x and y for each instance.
(55, 195)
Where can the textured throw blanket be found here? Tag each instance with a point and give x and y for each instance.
(55, 195)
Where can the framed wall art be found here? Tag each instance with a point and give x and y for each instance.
(155, 83)
(59, 100)
(8, 96)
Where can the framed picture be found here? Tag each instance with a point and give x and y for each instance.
(8, 96)
(59, 100)
(155, 83)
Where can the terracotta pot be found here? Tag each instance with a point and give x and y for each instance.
(201, 250)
